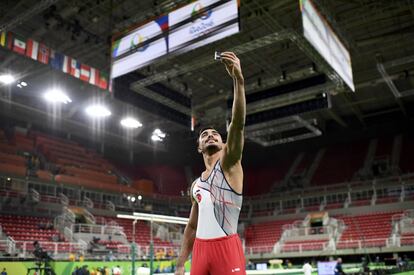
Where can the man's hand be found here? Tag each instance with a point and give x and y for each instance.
(180, 271)
(232, 64)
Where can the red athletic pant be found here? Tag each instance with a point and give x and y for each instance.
(220, 256)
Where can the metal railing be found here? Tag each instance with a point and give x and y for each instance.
(403, 182)
(26, 248)
(11, 245)
(98, 229)
(406, 241)
(359, 244)
(34, 195)
(8, 245)
(144, 250)
(109, 206)
(89, 216)
(87, 202)
(397, 242)
(67, 232)
(300, 247)
(292, 231)
(63, 199)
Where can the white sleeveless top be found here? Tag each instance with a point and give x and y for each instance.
(218, 205)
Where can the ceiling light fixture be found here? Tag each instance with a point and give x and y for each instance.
(158, 135)
(56, 96)
(97, 111)
(7, 79)
(130, 122)
(155, 138)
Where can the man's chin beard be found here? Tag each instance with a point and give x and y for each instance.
(212, 148)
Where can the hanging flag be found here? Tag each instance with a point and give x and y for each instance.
(110, 85)
(94, 78)
(19, 46)
(67, 62)
(3, 39)
(56, 60)
(193, 122)
(115, 47)
(6, 40)
(103, 81)
(75, 68)
(32, 49)
(44, 53)
(85, 72)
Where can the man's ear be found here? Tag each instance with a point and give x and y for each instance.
(199, 150)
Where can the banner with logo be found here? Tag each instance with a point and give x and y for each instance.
(186, 28)
(322, 37)
(58, 61)
(213, 24)
(131, 52)
(69, 267)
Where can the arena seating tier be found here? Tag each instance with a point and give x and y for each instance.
(11, 163)
(407, 239)
(261, 237)
(27, 228)
(259, 180)
(331, 169)
(370, 229)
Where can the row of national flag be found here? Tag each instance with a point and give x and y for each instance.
(58, 61)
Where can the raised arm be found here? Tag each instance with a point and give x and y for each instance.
(189, 236)
(235, 137)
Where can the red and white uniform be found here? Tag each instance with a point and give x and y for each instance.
(217, 248)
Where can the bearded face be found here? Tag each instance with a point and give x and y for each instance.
(210, 141)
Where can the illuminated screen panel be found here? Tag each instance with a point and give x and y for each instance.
(324, 40)
(189, 27)
(214, 24)
(127, 57)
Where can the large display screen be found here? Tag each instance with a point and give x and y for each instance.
(133, 51)
(326, 268)
(213, 24)
(184, 29)
(318, 32)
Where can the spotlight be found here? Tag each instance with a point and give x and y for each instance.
(129, 198)
(130, 122)
(139, 197)
(133, 199)
(7, 79)
(24, 84)
(97, 111)
(56, 96)
(158, 135)
(19, 86)
(8, 179)
(155, 138)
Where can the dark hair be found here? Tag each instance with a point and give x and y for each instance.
(203, 129)
(223, 137)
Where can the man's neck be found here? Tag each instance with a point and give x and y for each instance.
(210, 160)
